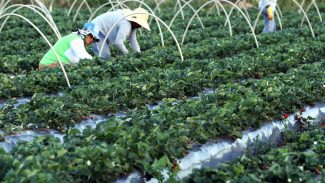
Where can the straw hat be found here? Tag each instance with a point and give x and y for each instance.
(141, 18)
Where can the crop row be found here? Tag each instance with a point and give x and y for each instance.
(129, 91)
(138, 141)
(92, 72)
(300, 159)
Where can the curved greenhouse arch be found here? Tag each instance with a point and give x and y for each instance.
(187, 3)
(44, 37)
(211, 1)
(82, 3)
(279, 11)
(217, 3)
(102, 6)
(233, 7)
(158, 6)
(20, 6)
(4, 6)
(141, 3)
(308, 8)
(306, 16)
(260, 13)
(174, 37)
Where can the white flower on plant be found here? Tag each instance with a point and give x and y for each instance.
(128, 119)
(88, 162)
(289, 180)
(301, 168)
(300, 179)
(315, 142)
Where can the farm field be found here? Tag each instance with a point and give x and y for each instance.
(144, 113)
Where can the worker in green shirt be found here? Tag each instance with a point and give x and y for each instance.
(71, 48)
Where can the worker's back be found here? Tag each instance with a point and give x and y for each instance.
(107, 20)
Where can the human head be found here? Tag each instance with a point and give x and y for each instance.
(89, 39)
(138, 17)
(90, 33)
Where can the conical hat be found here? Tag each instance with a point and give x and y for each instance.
(141, 18)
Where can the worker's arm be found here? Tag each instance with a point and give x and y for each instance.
(79, 50)
(122, 33)
(133, 41)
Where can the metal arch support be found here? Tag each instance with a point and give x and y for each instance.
(306, 16)
(158, 6)
(20, 6)
(279, 11)
(302, 5)
(46, 11)
(260, 13)
(77, 12)
(216, 5)
(102, 6)
(42, 8)
(111, 3)
(81, 4)
(178, 3)
(1, 4)
(232, 9)
(245, 9)
(141, 2)
(72, 5)
(310, 5)
(51, 6)
(87, 4)
(227, 17)
(211, 1)
(186, 4)
(4, 5)
(44, 37)
(173, 35)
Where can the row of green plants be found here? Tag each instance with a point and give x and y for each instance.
(24, 56)
(252, 86)
(94, 71)
(149, 141)
(175, 81)
(300, 158)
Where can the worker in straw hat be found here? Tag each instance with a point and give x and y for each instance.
(71, 48)
(268, 7)
(122, 25)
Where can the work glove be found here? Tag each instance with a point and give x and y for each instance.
(269, 10)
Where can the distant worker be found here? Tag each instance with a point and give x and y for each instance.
(125, 29)
(268, 7)
(71, 48)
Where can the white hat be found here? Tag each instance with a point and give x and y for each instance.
(140, 18)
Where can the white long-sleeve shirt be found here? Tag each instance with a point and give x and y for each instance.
(263, 3)
(121, 32)
(77, 51)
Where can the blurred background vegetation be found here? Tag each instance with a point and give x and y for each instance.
(284, 4)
